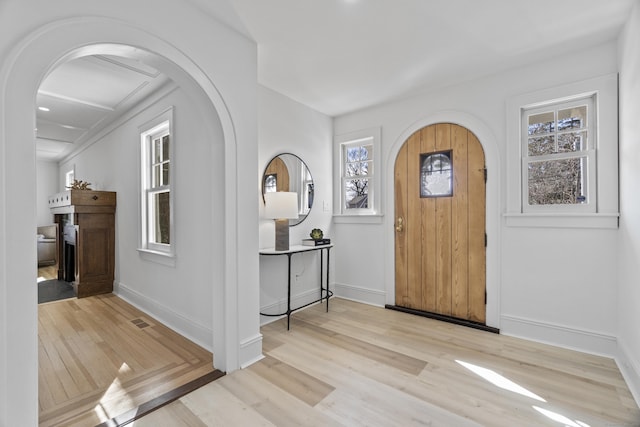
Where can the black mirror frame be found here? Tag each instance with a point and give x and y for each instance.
(310, 197)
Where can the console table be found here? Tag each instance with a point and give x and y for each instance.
(325, 293)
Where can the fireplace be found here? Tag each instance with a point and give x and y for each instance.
(86, 221)
(69, 254)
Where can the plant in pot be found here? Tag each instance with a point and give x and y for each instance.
(316, 234)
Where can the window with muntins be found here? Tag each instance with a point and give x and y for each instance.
(559, 156)
(357, 174)
(436, 174)
(562, 156)
(357, 187)
(158, 192)
(157, 201)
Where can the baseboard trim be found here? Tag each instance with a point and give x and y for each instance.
(251, 351)
(349, 292)
(280, 306)
(359, 294)
(630, 369)
(559, 335)
(186, 327)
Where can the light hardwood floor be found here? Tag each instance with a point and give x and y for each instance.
(366, 366)
(48, 272)
(100, 357)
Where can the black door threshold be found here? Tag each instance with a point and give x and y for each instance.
(157, 403)
(443, 318)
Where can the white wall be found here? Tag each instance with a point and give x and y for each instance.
(178, 292)
(225, 71)
(629, 243)
(47, 184)
(286, 126)
(531, 292)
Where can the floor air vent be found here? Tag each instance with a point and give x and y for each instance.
(140, 323)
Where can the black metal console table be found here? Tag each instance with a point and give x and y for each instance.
(325, 293)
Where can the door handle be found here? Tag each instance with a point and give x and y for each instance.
(400, 225)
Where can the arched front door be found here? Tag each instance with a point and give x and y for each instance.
(440, 264)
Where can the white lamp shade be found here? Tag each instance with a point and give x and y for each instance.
(281, 205)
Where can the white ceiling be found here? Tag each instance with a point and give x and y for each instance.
(85, 95)
(339, 56)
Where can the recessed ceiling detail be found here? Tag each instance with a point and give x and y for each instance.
(84, 95)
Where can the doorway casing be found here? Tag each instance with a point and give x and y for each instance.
(493, 216)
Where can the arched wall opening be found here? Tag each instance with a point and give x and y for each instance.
(492, 159)
(21, 75)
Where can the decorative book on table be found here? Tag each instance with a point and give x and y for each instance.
(315, 242)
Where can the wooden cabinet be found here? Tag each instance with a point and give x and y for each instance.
(86, 240)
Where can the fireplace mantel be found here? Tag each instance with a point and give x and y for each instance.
(83, 201)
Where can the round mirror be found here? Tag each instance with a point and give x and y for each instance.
(287, 172)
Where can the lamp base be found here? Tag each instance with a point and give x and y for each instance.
(282, 234)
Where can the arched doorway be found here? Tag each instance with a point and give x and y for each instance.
(24, 69)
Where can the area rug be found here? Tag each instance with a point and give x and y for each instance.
(54, 290)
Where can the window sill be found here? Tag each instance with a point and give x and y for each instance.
(164, 258)
(358, 219)
(563, 220)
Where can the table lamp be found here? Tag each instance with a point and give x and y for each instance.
(281, 206)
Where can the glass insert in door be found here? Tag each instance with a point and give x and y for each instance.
(436, 174)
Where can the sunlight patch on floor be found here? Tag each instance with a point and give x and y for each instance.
(499, 381)
(114, 398)
(504, 383)
(560, 418)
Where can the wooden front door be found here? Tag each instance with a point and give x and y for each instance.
(440, 223)
(278, 172)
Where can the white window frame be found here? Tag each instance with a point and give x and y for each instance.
(603, 211)
(158, 127)
(373, 212)
(69, 178)
(589, 153)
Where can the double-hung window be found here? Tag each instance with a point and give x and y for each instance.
(357, 173)
(358, 192)
(562, 156)
(559, 156)
(156, 189)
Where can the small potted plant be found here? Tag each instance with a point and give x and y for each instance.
(316, 234)
(317, 238)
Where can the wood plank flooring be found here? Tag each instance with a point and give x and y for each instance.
(48, 272)
(100, 357)
(366, 366)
